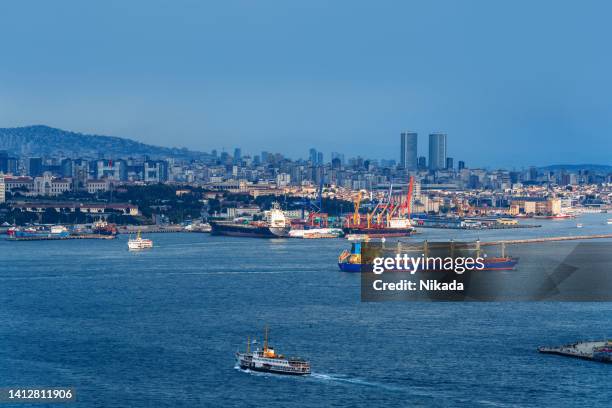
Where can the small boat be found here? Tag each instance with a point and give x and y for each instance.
(578, 225)
(268, 361)
(609, 221)
(139, 243)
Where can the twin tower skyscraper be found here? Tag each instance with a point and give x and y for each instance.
(437, 151)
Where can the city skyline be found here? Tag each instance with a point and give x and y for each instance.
(258, 76)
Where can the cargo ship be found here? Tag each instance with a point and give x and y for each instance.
(268, 361)
(350, 261)
(316, 233)
(102, 227)
(275, 225)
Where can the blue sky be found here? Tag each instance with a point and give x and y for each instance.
(512, 83)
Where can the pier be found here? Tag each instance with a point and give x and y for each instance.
(547, 239)
(52, 238)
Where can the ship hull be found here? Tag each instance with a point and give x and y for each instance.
(497, 264)
(240, 230)
(272, 371)
(380, 232)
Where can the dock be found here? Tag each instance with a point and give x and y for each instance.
(548, 239)
(582, 350)
(51, 238)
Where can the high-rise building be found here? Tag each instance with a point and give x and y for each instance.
(312, 154)
(449, 163)
(35, 167)
(237, 155)
(437, 151)
(336, 155)
(408, 150)
(422, 163)
(3, 161)
(460, 165)
(319, 158)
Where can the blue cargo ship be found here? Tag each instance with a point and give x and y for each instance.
(350, 261)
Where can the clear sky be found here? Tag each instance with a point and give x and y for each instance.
(513, 83)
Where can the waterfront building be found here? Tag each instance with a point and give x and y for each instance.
(535, 206)
(2, 189)
(47, 185)
(437, 151)
(408, 150)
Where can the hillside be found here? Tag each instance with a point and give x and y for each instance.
(47, 141)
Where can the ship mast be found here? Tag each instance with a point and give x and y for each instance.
(248, 344)
(266, 339)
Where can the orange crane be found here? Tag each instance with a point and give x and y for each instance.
(409, 197)
(356, 204)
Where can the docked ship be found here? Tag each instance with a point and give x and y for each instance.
(314, 233)
(268, 361)
(394, 228)
(102, 227)
(390, 217)
(139, 243)
(350, 261)
(275, 225)
(55, 232)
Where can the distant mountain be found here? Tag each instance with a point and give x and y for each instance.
(597, 168)
(42, 140)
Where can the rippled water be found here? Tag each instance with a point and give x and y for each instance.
(160, 328)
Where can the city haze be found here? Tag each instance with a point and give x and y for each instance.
(512, 84)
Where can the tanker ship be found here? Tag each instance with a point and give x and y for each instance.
(275, 225)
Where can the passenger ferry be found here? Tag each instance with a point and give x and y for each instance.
(268, 361)
(139, 243)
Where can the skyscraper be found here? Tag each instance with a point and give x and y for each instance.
(437, 151)
(312, 155)
(449, 163)
(408, 152)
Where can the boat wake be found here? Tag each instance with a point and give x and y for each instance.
(331, 379)
(342, 379)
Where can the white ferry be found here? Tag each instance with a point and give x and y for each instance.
(266, 360)
(139, 243)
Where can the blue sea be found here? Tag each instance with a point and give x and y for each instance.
(159, 328)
